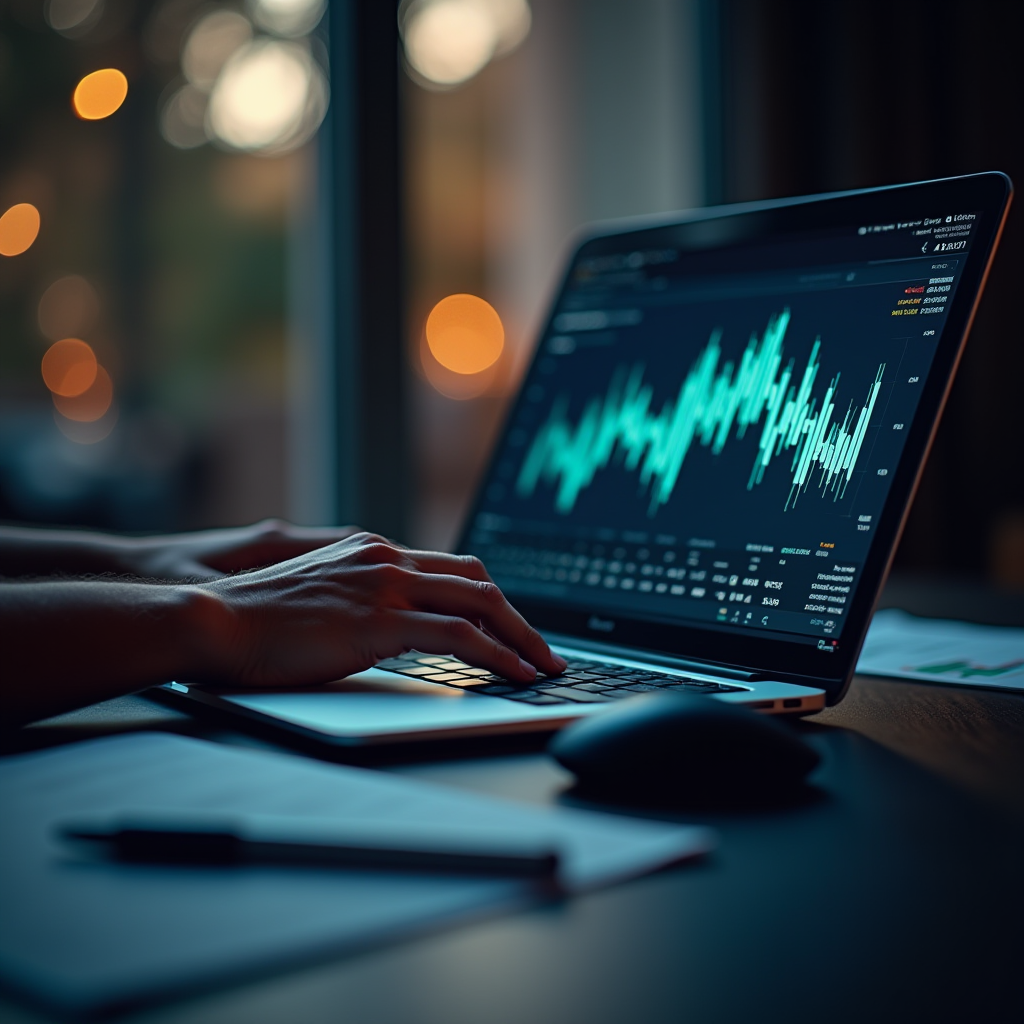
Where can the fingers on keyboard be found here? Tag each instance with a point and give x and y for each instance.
(582, 682)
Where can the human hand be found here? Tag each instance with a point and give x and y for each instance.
(211, 554)
(342, 608)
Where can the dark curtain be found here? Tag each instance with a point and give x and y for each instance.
(817, 95)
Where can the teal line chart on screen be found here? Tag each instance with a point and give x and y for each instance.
(716, 401)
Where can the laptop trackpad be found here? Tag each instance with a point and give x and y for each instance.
(376, 703)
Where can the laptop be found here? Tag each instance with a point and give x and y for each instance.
(701, 483)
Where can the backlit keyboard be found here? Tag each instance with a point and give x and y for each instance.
(583, 682)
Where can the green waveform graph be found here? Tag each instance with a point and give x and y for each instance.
(714, 402)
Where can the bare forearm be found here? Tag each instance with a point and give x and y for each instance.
(68, 644)
(322, 615)
(32, 552)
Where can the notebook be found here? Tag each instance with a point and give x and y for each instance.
(702, 480)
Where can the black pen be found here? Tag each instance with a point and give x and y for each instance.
(286, 842)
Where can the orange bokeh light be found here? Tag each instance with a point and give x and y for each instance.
(99, 94)
(460, 386)
(92, 404)
(19, 227)
(69, 367)
(465, 334)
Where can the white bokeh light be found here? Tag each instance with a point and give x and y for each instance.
(512, 19)
(73, 18)
(289, 18)
(211, 43)
(450, 41)
(270, 96)
(183, 118)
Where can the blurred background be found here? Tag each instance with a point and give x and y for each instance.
(237, 238)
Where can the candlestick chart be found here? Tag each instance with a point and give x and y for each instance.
(717, 403)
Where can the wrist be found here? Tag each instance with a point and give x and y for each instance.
(211, 632)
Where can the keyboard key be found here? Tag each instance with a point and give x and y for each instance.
(494, 689)
(429, 660)
(474, 672)
(641, 687)
(450, 677)
(417, 670)
(537, 698)
(567, 693)
(591, 687)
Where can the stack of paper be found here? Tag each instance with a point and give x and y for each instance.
(941, 651)
(92, 936)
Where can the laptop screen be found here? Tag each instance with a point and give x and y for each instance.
(714, 417)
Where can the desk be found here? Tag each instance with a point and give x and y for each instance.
(896, 896)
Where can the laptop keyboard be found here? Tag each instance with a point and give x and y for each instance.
(583, 682)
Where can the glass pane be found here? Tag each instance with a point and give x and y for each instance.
(563, 114)
(148, 344)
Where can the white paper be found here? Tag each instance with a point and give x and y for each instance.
(90, 936)
(943, 651)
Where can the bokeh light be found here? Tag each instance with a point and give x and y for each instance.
(465, 334)
(270, 96)
(183, 118)
(512, 20)
(289, 18)
(91, 404)
(69, 368)
(99, 94)
(211, 43)
(19, 227)
(460, 386)
(87, 432)
(69, 307)
(450, 41)
(73, 18)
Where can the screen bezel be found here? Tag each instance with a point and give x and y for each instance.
(987, 194)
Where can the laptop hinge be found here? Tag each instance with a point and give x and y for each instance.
(668, 660)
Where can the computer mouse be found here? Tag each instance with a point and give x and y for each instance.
(664, 743)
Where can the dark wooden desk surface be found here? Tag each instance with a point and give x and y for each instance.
(896, 894)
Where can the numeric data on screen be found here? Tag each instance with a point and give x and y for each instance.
(756, 414)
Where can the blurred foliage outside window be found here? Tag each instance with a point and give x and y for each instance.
(162, 245)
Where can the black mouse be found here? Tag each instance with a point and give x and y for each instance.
(663, 743)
